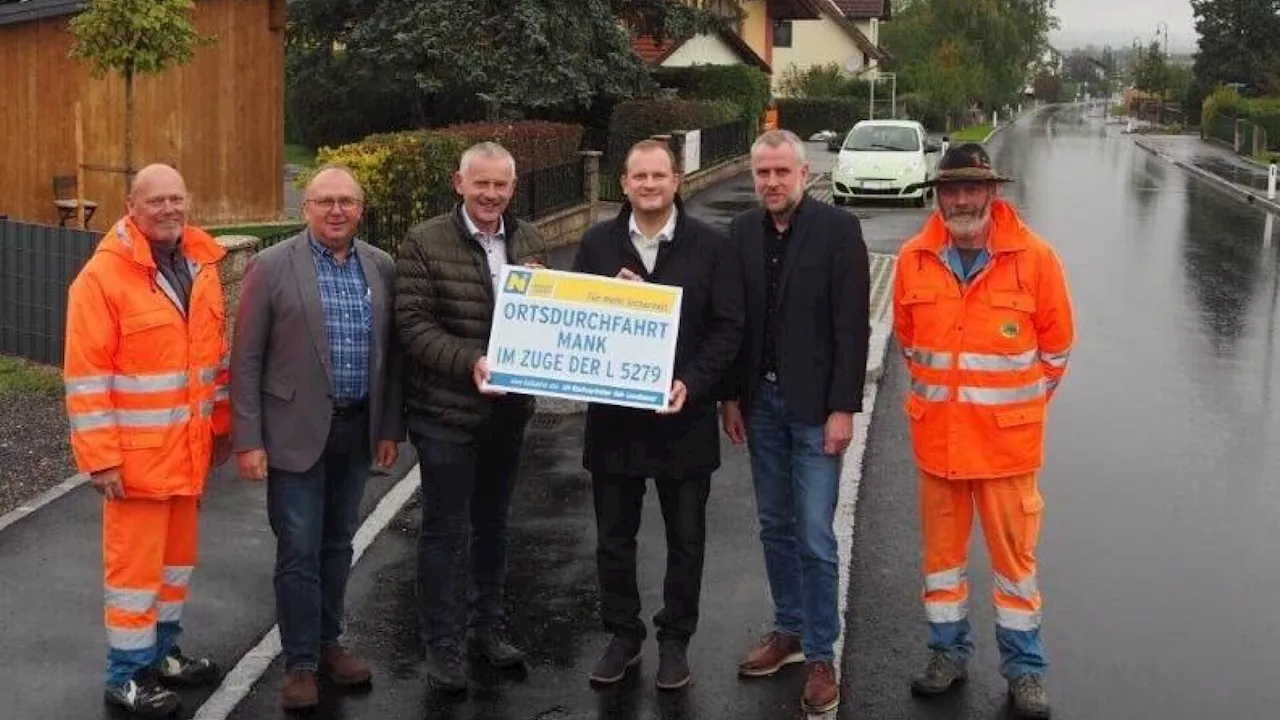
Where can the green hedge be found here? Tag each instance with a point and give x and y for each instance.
(534, 144)
(1266, 113)
(746, 86)
(806, 116)
(635, 120)
(1226, 102)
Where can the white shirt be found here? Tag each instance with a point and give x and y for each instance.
(495, 246)
(648, 246)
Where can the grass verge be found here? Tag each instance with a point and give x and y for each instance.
(973, 133)
(23, 379)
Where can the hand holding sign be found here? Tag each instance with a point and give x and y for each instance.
(676, 400)
(480, 376)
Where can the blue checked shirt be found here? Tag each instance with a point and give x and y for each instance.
(348, 321)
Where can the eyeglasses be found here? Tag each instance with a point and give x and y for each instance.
(346, 204)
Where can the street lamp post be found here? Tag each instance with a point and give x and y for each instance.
(1165, 25)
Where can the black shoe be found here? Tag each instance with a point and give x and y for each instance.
(143, 696)
(622, 654)
(178, 670)
(673, 665)
(489, 645)
(446, 667)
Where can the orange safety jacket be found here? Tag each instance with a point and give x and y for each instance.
(146, 383)
(985, 357)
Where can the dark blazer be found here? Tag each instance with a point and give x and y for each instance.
(643, 443)
(821, 325)
(281, 380)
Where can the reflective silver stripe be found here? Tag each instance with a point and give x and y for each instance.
(946, 612)
(935, 359)
(225, 363)
(996, 362)
(1002, 396)
(151, 383)
(932, 393)
(906, 353)
(1017, 619)
(96, 420)
(152, 418)
(208, 375)
(222, 393)
(135, 601)
(131, 639)
(177, 575)
(1057, 360)
(206, 409)
(1026, 588)
(951, 579)
(87, 385)
(1051, 384)
(169, 611)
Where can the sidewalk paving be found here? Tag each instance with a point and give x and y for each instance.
(1212, 162)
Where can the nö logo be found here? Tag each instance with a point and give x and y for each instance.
(518, 282)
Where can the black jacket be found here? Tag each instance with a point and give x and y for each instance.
(821, 325)
(444, 311)
(642, 443)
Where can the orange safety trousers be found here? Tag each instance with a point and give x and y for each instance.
(149, 551)
(1011, 509)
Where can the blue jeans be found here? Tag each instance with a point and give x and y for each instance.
(314, 515)
(1021, 651)
(467, 480)
(797, 486)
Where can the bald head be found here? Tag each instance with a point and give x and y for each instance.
(333, 206)
(157, 203)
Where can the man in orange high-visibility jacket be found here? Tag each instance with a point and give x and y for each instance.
(146, 383)
(983, 316)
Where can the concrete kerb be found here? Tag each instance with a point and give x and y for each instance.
(1240, 193)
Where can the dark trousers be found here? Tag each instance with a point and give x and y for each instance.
(619, 501)
(314, 515)
(466, 499)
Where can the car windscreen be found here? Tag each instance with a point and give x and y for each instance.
(887, 138)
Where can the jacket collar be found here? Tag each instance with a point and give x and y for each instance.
(126, 240)
(1008, 231)
(622, 222)
(509, 223)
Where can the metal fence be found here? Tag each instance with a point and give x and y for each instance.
(723, 142)
(37, 264)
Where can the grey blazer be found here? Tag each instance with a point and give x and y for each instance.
(281, 381)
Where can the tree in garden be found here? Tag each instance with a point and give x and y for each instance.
(1151, 73)
(1238, 44)
(132, 38)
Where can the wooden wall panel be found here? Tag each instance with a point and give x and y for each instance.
(219, 119)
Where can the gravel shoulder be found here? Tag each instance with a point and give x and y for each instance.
(34, 452)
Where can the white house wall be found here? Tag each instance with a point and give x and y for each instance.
(815, 42)
(703, 50)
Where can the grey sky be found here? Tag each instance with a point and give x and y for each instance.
(1118, 22)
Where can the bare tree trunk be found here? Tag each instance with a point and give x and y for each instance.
(128, 130)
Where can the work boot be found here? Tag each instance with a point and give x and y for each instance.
(489, 645)
(446, 667)
(342, 668)
(773, 652)
(622, 654)
(300, 691)
(144, 696)
(673, 665)
(1030, 700)
(821, 691)
(178, 670)
(939, 675)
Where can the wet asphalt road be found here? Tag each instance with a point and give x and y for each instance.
(1158, 549)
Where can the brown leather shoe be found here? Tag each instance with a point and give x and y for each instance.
(774, 651)
(821, 691)
(343, 668)
(300, 691)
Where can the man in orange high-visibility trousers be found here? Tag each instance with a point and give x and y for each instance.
(146, 384)
(983, 316)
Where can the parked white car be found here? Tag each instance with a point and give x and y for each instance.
(885, 160)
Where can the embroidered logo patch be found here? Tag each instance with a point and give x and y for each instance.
(1009, 329)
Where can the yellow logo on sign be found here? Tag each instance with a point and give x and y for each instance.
(517, 282)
